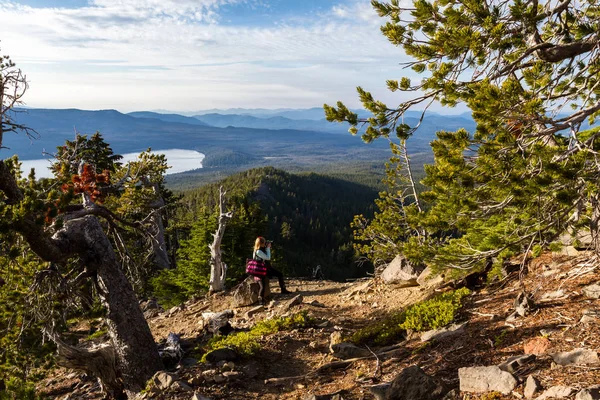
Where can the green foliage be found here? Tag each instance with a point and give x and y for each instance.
(17, 389)
(248, 343)
(434, 313)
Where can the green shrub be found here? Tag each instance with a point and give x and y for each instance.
(17, 389)
(434, 313)
(247, 343)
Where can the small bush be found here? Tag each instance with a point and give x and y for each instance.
(434, 313)
(247, 343)
(17, 389)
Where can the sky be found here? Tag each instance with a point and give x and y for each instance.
(186, 55)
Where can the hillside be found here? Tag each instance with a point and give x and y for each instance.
(298, 364)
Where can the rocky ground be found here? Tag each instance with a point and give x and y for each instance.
(554, 345)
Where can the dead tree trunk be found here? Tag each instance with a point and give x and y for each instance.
(218, 270)
(157, 228)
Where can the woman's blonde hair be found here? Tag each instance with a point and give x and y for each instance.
(260, 242)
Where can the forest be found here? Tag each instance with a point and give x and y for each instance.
(101, 236)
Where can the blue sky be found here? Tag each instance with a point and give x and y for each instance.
(187, 55)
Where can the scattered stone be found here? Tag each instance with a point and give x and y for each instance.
(548, 332)
(255, 311)
(228, 366)
(414, 384)
(576, 357)
(174, 310)
(486, 379)
(443, 333)
(291, 303)
(380, 391)
(556, 295)
(218, 323)
(592, 291)
(513, 363)
(428, 280)
(590, 316)
(400, 270)
(221, 355)
(363, 287)
(570, 251)
(324, 324)
(180, 386)
(538, 346)
(532, 386)
(219, 378)
(454, 394)
(315, 303)
(198, 396)
(524, 304)
(246, 293)
(197, 380)
(335, 338)
(188, 362)
(592, 393)
(346, 351)
(556, 392)
(149, 305)
(232, 375)
(163, 380)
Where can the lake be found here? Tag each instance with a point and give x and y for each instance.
(179, 160)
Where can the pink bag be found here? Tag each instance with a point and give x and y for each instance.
(256, 267)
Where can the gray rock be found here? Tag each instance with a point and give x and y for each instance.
(254, 311)
(513, 363)
(291, 303)
(486, 379)
(232, 375)
(401, 270)
(163, 380)
(592, 291)
(556, 295)
(556, 392)
(335, 338)
(380, 392)
(592, 393)
(590, 316)
(221, 355)
(414, 384)
(532, 386)
(246, 293)
(577, 357)
(524, 304)
(443, 333)
(346, 351)
(214, 322)
(428, 280)
(180, 386)
(219, 378)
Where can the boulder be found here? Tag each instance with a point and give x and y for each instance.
(576, 357)
(400, 270)
(556, 392)
(592, 291)
(221, 355)
(532, 386)
(346, 351)
(428, 280)
(443, 333)
(592, 393)
(486, 379)
(414, 384)
(217, 323)
(246, 293)
(163, 380)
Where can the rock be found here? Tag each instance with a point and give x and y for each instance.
(255, 311)
(532, 386)
(443, 333)
(513, 363)
(429, 281)
(246, 293)
(454, 394)
(556, 392)
(414, 384)
(221, 355)
(590, 316)
(174, 310)
(171, 351)
(198, 396)
(524, 304)
(291, 303)
(380, 392)
(180, 386)
(188, 362)
(346, 351)
(149, 305)
(592, 393)
(486, 379)
(219, 378)
(592, 291)
(335, 338)
(401, 270)
(556, 295)
(163, 380)
(315, 303)
(363, 287)
(218, 323)
(228, 366)
(232, 375)
(152, 313)
(576, 357)
(538, 346)
(197, 380)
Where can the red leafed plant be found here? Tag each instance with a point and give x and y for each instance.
(89, 182)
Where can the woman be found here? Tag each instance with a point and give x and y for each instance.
(262, 251)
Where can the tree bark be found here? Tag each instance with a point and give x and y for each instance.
(218, 270)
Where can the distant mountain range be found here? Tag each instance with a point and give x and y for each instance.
(233, 139)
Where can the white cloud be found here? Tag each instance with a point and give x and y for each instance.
(146, 54)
